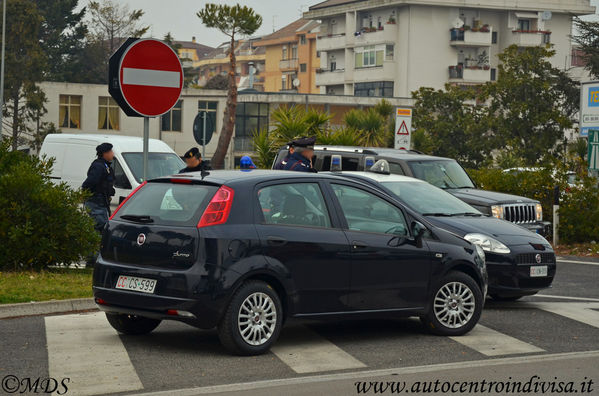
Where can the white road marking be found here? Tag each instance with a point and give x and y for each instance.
(581, 312)
(493, 343)
(370, 374)
(577, 262)
(86, 349)
(304, 351)
(151, 78)
(567, 297)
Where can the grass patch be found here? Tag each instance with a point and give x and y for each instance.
(49, 284)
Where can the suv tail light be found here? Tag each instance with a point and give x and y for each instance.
(217, 211)
(126, 199)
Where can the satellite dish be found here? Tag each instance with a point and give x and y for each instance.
(546, 15)
(296, 82)
(458, 23)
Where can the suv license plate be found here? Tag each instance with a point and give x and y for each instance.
(539, 270)
(136, 284)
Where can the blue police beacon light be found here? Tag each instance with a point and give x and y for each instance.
(368, 162)
(336, 163)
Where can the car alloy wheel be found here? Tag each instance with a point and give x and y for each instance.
(257, 318)
(454, 305)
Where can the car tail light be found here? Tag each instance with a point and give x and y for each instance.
(217, 211)
(181, 181)
(126, 199)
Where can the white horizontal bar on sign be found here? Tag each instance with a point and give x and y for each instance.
(151, 78)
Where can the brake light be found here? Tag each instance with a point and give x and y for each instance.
(126, 199)
(217, 211)
(181, 181)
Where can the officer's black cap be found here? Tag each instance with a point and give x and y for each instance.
(307, 142)
(103, 148)
(192, 152)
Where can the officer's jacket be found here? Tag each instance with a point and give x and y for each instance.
(100, 181)
(295, 162)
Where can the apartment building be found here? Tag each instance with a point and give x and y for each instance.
(291, 58)
(391, 48)
(191, 52)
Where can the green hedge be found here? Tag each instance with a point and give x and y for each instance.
(579, 206)
(40, 223)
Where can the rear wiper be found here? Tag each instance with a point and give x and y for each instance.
(437, 214)
(138, 218)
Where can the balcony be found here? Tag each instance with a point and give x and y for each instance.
(367, 36)
(530, 38)
(328, 42)
(288, 64)
(327, 77)
(473, 74)
(386, 72)
(482, 37)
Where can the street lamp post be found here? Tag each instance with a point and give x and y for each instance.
(2, 65)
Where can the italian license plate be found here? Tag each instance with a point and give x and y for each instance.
(538, 270)
(136, 284)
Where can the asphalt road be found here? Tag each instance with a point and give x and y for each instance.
(554, 336)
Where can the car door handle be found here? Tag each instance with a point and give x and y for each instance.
(276, 241)
(358, 245)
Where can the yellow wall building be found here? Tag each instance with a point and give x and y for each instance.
(191, 52)
(291, 58)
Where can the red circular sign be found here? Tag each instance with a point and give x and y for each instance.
(150, 77)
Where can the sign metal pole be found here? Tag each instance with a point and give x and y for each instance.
(145, 145)
(204, 137)
(2, 63)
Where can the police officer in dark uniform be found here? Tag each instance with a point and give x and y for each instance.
(301, 152)
(100, 182)
(194, 162)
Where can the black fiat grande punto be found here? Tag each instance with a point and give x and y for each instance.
(244, 251)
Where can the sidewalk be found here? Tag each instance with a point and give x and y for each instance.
(46, 307)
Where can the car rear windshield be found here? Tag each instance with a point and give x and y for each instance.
(168, 204)
(442, 174)
(159, 164)
(424, 198)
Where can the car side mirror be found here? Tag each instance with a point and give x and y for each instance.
(418, 230)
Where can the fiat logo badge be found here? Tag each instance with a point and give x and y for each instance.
(538, 258)
(141, 239)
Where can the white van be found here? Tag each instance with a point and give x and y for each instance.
(74, 154)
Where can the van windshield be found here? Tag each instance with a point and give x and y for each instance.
(444, 174)
(159, 164)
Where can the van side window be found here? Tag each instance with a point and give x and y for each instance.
(120, 178)
(396, 168)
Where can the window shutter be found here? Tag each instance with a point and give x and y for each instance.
(359, 62)
(380, 55)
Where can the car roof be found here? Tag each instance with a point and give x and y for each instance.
(123, 143)
(382, 177)
(255, 175)
(380, 151)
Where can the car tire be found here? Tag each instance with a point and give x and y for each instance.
(499, 297)
(253, 319)
(448, 313)
(131, 324)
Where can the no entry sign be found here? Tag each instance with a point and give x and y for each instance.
(146, 77)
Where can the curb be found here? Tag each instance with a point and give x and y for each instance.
(46, 307)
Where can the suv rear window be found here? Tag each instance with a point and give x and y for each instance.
(169, 203)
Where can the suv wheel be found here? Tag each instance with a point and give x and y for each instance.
(456, 305)
(253, 319)
(131, 324)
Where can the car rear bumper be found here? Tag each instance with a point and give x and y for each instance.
(184, 291)
(509, 275)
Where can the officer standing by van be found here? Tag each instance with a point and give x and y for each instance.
(301, 152)
(100, 182)
(194, 162)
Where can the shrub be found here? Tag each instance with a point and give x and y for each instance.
(579, 213)
(40, 223)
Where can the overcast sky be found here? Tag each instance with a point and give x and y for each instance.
(179, 16)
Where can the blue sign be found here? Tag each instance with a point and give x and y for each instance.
(594, 97)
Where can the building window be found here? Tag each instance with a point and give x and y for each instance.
(249, 118)
(284, 53)
(207, 106)
(333, 66)
(302, 39)
(69, 111)
(294, 51)
(370, 56)
(524, 25)
(389, 49)
(318, 54)
(493, 74)
(171, 121)
(494, 38)
(108, 113)
(283, 82)
(303, 67)
(378, 88)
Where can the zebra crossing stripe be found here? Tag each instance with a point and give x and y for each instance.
(304, 351)
(86, 349)
(581, 312)
(493, 343)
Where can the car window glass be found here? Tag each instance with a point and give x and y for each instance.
(368, 213)
(294, 204)
(443, 174)
(396, 168)
(120, 178)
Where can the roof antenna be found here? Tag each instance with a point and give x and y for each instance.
(273, 23)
